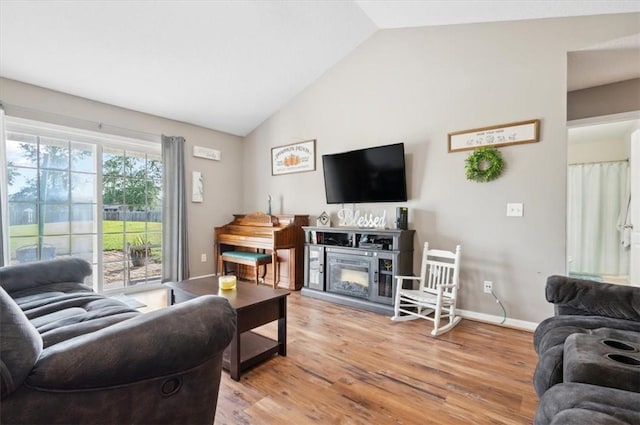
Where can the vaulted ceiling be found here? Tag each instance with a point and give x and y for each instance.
(224, 65)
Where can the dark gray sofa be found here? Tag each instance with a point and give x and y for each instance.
(69, 355)
(588, 367)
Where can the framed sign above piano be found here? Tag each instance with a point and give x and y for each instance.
(260, 232)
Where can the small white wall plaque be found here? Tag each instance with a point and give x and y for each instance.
(197, 187)
(206, 153)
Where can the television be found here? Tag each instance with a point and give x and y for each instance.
(374, 174)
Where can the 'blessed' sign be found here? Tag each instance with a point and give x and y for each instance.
(357, 218)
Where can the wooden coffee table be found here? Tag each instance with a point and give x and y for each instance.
(255, 306)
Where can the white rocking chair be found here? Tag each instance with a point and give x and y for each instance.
(435, 298)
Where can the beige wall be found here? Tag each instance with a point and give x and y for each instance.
(602, 151)
(411, 85)
(221, 200)
(416, 85)
(614, 98)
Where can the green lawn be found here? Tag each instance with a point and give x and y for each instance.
(112, 233)
(23, 235)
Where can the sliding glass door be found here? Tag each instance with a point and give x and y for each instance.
(87, 195)
(132, 217)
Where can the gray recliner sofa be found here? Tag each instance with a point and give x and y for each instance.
(69, 355)
(588, 367)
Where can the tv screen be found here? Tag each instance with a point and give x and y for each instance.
(366, 175)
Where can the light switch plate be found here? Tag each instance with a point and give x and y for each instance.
(515, 210)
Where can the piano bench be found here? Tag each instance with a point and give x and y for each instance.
(252, 259)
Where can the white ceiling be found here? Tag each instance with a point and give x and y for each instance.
(614, 61)
(416, 13)
(225, 65)
(597, 133)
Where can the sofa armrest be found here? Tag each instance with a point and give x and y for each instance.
(160, 343)
(30, 275)
(586, 297)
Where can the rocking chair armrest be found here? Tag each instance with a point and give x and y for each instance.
(408, 277)
(441, 287)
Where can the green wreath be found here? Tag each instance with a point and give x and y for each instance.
(484, 164)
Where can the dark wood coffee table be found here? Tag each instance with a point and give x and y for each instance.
(255, 306)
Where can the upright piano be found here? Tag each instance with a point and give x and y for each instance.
(260, 232)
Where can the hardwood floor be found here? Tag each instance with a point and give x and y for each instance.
(347, 366)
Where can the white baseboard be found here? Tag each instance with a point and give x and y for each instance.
(496, 320)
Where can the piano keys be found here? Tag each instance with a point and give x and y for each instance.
(281, 234)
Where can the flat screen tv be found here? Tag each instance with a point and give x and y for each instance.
(366, 175)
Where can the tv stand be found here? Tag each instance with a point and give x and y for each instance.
(356, 266)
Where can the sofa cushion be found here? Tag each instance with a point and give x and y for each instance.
(608, 359)
(34, 297)
(84, 301)
(622, 405)
(554, 330)
(62, 333)
(92, 310)
(586, 416)
(20, 345)
(58, 315)
(550, 368)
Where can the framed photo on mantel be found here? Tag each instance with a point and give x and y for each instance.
(293, 158)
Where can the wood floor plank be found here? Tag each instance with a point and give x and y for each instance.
(348, 366)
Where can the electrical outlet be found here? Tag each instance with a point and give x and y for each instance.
(488, 286)
(203, 258)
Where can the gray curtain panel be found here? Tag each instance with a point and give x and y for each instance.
(1, 236)
(175, 253)
(1, 189)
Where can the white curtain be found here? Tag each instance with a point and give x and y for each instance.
(596, 194)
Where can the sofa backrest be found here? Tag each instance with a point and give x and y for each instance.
(574, 296)
(20, 345)
(62, 269)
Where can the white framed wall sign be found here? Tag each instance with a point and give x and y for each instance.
(293, 158)
(496, 135)
(197, 187)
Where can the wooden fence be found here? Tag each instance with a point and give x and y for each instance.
(28, 216)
